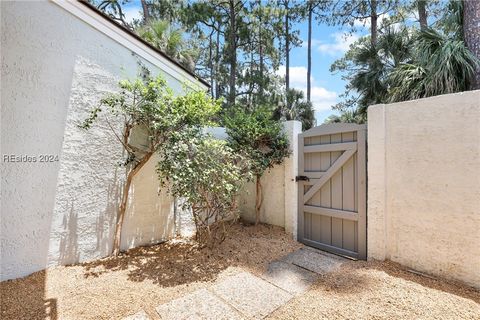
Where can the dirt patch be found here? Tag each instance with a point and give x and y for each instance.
(382, 290)
(142, 278)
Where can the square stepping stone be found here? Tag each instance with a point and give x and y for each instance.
(141, 315)
(252, 296)
(289, 277)
(314, 260)
(200, 304)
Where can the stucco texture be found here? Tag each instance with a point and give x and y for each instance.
(54, 69)
(424, 185)
(273, 206)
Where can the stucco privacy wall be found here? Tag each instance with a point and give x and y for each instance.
(279, 189)
(54, 68)
(424, 185)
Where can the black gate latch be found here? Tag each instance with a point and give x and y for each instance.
(301, 178)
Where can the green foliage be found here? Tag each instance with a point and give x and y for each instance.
(347, 116)
(406, 63)
(440, 65)
(295, 107)
(169, 39)
(112, 8)
(260, 138)
(367, 70)
(150, 105)
(207, 175)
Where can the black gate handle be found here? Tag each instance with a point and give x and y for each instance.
(301, 178)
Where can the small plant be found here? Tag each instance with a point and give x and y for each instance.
(261, 140)
(208, 176)
(149, 105)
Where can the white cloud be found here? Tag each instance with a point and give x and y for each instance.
(366, 22)
(341, 43)
(322, 99)
(132, 13)
(298, 75)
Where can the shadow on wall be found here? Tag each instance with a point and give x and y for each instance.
(69, 240)
(149, 218)
(105, 223)
(89, 180)
(18, 303)
(69, 251)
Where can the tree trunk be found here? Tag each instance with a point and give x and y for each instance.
(217, 62)
(309, 53)
(373, 22)
(123, 205)
(471, 34)
(422, 13)
(210, 63)
(260, 52)
(146, 14)
(232, 39)
(287, 48)
(258, 199)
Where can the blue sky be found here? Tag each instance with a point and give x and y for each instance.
(329, 44)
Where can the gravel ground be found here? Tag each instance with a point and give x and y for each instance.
(144, 278)
(382, 290)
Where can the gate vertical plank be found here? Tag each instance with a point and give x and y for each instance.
(325, 196)
(336, 194)
(316, 220)
(362, 191)
(348, 201)
(309, 165)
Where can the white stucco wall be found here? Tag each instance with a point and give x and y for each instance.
(54, 68)
(424, 185)
(273, 206)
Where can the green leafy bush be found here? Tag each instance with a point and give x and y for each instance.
(261, 140)
(149, 105)
(207, 175)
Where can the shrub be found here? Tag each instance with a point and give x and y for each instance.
(207, 175)
(149, 105)
(261, 140)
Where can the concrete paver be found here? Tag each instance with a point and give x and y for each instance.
(200, 304)
(251, 295)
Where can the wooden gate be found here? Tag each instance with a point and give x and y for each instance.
(332, 189)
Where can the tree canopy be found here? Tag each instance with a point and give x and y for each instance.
(406, 50)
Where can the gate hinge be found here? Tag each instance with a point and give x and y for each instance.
(301, 178)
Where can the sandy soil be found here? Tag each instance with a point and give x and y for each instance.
(382, 290)
(143, 278)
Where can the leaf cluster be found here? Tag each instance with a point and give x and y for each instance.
(406, 63)
(150, 105)
(293, 106)
(259, 137)
(207, 175)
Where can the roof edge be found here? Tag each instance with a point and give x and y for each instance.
(72, 5)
